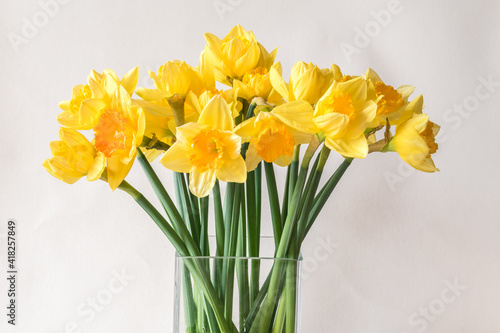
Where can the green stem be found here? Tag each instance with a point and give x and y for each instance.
(279, 323)
(242, 267)
(196, 267)
(264, 316)
(184, 203)
(203, 206)
(190, 310)
(310, 192)
(291, 290)
(274, 202)
(229, 264)
(294, 171)
(253, 233)
(219, 237)
(322, 197)
(168, 205)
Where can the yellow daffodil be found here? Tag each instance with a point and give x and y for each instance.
(343, 114)
(82, 111)
(74, 157)
(273, 135)
(237, 54)
(174, 77)
(392, 101)
(415, 142)
(257, 83)
(307, 82)
(119, 130)
(208, 149)
(174, 81)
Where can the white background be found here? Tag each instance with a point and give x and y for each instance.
(400, 236)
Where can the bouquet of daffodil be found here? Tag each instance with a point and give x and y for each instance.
(207, 136)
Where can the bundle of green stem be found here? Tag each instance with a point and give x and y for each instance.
(264, 306)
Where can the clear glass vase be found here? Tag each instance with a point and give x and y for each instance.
(237, 294)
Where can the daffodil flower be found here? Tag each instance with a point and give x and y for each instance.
(415, 142)
(174, 81)
(307, 82)
(208, 149)
(119, 130)
(392, 101)
(343, 114)
(74, 157)
(174, 77)
(257, 83)
(273, 135)
(237, 54)
(82, 111)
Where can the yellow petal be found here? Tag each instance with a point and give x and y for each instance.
(234, 170)
(414, 107)
(90, 110)
(201, 183)
(308, 86)
(248, 61)
(246, 129)
(154, 108)
(121, 100)
(117, 170)
(110, 82)
(405, 91)
(206, 69)
(337, 73)
(97, 167)
(58, 167)
(252, 160)
(297, 114)
(356, 148)
(140, 122)
(333, 124)
(75, 138)
(64, 105)
(244, 90)
(277, 80)
(192, 99)
(357, 88)
(97, 89)
(152, 94)
(217, 114)
(283, 160)
(365, 113)
(300, 137)
(372, 75)
(214, 42)
(175, 159)
(129, 81)
(187, 132)
(69, 119)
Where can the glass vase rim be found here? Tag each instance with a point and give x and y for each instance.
(299, 259)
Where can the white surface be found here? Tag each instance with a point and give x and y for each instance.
(394, 250)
